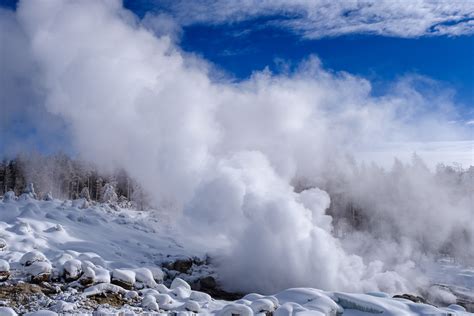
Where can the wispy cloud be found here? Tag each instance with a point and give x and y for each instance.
(323, 18)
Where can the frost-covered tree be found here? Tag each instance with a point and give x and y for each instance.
(108, 194)
(85, 194)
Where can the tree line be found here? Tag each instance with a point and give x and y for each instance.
(64, 177)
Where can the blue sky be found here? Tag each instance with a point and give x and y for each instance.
(246, 45)
(380, 59)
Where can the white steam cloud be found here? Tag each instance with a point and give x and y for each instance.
(225, 156)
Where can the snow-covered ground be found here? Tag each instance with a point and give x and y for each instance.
(89, 258)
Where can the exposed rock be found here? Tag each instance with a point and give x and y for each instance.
(181, 265)
(208, 283)
(4, 275)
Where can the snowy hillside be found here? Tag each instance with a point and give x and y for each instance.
(72, 257)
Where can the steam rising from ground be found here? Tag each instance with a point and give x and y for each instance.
(225, 155)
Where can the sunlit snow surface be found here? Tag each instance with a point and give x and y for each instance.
(122, 238)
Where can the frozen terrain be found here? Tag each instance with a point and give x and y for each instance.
(72, 257)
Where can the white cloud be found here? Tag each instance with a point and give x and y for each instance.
(323, 18)
(223, 155)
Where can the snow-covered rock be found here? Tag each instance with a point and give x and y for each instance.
(39, 271)
(72, 270)
(92, 274)
(200, 296)
(263, 305)
(291, 308)
(181, 292)
(3, 244)
(4, 270)
(162, 288)
(192, 306)
(124, 278)
(164, 299)
(158, 274)
(88, 277)
(149, 303)
(178, 282)
(145, 277)
(31, 257)
(104, 288)
(235, 309)
(131, 295)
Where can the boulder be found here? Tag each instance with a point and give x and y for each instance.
(4, 270)
(72, 270)
(207, 282)
(3, 244)
(31, 257)
(411, 297)
(39, 271)
(178, 282)
(124, 278)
